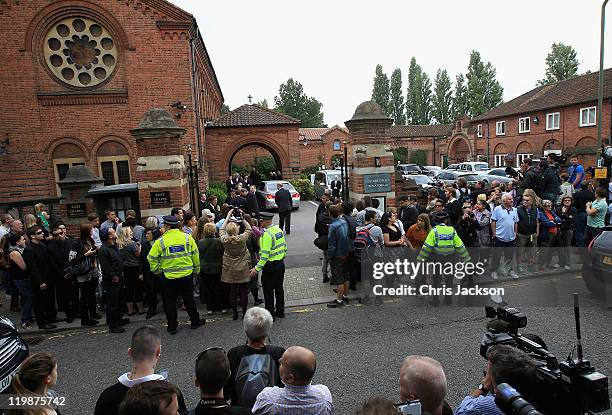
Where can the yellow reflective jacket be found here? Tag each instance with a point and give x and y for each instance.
(175, 254)
(272, 246)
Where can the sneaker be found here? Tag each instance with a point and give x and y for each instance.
(567, 267)
(335, 304)
(513, 274)
(345, 299)
(494, 275)
(117, 329)
(325, 279)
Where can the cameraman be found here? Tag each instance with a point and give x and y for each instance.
(505, 364)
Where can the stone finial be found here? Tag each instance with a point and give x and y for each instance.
(157, 123)
(368, 110)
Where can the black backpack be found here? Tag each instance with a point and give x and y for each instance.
(464, 195)
(255, 372)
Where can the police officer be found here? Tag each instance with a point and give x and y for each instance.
(271, 262)
(176, 255)
(442, 245)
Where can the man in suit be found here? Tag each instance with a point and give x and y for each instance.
(336, 187)
(408, 212)
(285, 205)
(252, 206)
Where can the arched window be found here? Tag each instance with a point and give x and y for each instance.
(113, 163)
(64, 156)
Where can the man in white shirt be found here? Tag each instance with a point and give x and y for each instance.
(5, 224)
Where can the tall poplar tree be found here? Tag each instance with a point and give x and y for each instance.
(396, 98)
(443, 98)
(380, 91)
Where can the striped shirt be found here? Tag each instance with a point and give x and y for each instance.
(294, 400)
(482, 405)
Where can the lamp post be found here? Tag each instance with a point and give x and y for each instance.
(601, 69)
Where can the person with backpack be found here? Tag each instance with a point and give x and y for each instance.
(354, 271)
(321, 228)
(212, 372)
(254, 365)
(337, 252)
(549, 178)
(464, 193)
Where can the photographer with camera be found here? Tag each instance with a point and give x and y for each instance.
(422, 378)
(505, 364)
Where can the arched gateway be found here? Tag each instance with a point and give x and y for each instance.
(252, 125)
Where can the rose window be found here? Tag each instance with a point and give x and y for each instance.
(80, 52)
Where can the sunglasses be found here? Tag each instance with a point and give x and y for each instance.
(209, 349)
(39, 233)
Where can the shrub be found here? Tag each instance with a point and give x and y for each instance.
(304, 187)
(217, 189)
(305, 173)
(419, 157)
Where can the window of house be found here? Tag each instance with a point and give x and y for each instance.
(522, 156)
(552, 120)
(61, 166)
(499, 160)
(479, 130)
(524, 125)
(114, 169)
(500, 128)
(588, 116)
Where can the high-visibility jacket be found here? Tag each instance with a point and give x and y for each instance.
(175, 254)
(443, 240)
(272, 246)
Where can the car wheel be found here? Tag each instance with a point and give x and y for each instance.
(593, 283)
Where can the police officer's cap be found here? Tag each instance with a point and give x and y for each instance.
(440, 216)
(266, 216)
(170, 220)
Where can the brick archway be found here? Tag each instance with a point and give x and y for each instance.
(279, 156)
(459, 149)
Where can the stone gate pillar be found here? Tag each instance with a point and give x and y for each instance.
(161, 167)
(372, 172)
(76, 203)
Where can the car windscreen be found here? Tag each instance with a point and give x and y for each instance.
(421, 179)
(470, 177)
(481, 167)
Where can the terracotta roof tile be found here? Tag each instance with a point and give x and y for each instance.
(251, 115)
(433, 130)
(580, 89)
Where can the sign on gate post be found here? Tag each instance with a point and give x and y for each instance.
(377, 183)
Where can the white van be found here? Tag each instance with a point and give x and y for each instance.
(473, 166)
(322, 179)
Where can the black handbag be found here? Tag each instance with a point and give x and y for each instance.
(83, 267)
(321, 242)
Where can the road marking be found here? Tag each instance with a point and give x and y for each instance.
(315, 204)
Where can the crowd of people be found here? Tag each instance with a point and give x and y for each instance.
(514, 227)
(123, 268)
(258, 378)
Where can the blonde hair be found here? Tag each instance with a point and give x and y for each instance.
(209, 229)
(29, 220)
(426, 221)
(152, 223)
(534, 197)
(199, 233)
(231, 229)
(125, 238)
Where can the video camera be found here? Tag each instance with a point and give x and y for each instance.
(237, 214)
(569, 387)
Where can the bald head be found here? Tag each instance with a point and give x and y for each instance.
(423, 378)
(298, 366)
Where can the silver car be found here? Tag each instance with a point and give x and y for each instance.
(490, 176)
(268, 189)
(450, 177)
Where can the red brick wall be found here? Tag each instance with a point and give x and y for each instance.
(153, 70)
(569, 134)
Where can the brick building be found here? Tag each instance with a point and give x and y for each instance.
(559, 118)
(79, 75)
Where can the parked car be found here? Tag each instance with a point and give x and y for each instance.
(473, 166)
(452, 167)
(448, 178)
(408, 169)
(322, 179)
(421, 180)
(13, 351)
(597, 264)
(498, 174)
(431, 171)
(269, 187)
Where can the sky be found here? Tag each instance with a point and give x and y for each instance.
(332, 47)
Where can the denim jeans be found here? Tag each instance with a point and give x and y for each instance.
(26, 292)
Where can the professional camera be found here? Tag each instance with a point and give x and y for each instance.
(236, 214)
(409, 408)
(512, 403)
(569, 387)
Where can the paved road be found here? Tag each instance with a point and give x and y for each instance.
(359, 348)
(301, 251)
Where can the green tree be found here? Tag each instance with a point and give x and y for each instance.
(263, 103)
(418, 101)
(225, 109)
(443, 98)
(380, 91)
(292, 101)
(418, 157)
(561, 63)
(396, 98)
(459, 98)
(483, 90)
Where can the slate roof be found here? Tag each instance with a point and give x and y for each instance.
(252, 115)
(409, 131)
(578, 90)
